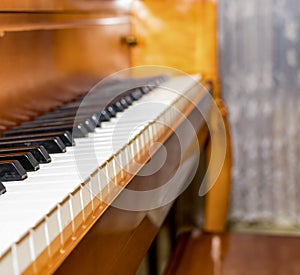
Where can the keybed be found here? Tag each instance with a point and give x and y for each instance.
(56, 234)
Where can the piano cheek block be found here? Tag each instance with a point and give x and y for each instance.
(11, 171)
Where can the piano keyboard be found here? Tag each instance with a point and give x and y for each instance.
(56, 185)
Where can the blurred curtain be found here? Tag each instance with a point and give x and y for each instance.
(259, 51)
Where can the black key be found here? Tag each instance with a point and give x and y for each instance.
(104, 116)
(91, 116)
(145, 89)
(11, 170)
(96, 119)
(27, 160)
(64, 116)
(51, 116)
(42, 119)
(124, 103)
(2, 189)
(110, 110)
(136, 94)
(95, 104)
(87, 122)
(85, 112)
(90, 120)
(118, 107)
(65, 137)
(51, 144)
(77, 131)
(85, 109)
(35, 124)
(39, 152)
(128, 99)
(82, 116)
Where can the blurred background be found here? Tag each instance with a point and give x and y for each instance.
(260, 74)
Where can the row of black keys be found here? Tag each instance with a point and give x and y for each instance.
(27, 145)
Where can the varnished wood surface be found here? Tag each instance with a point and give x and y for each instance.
(183, 35)
(236, 254)
(217, 199)
(42, 68)
(111, 6)
(117, 243)
(22, 21)
(127, 220)
(180, 34)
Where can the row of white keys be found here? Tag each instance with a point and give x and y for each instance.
(26, 202)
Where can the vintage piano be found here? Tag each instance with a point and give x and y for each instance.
(75, 193)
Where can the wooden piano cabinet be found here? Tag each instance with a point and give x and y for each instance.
(217, 199)
(116, 244)
(183, 35)
(48, 58)
(180, 34)
(109, 7)
(119, 240)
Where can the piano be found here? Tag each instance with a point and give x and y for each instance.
(92, 154)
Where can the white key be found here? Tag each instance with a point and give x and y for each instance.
(27, 202)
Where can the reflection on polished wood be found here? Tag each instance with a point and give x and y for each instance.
(179, 34)
(46, 67)
(13, 22)
(113, 6)
(117, 243)
(235, 254)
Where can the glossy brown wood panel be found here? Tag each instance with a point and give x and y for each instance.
(235, 254)
(180, 34)
(217, 198)
(117, 243)
(41, 69)
(24, 21)
(109, 6)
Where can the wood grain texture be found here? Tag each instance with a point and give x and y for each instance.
(41, 69)
(178, 34)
